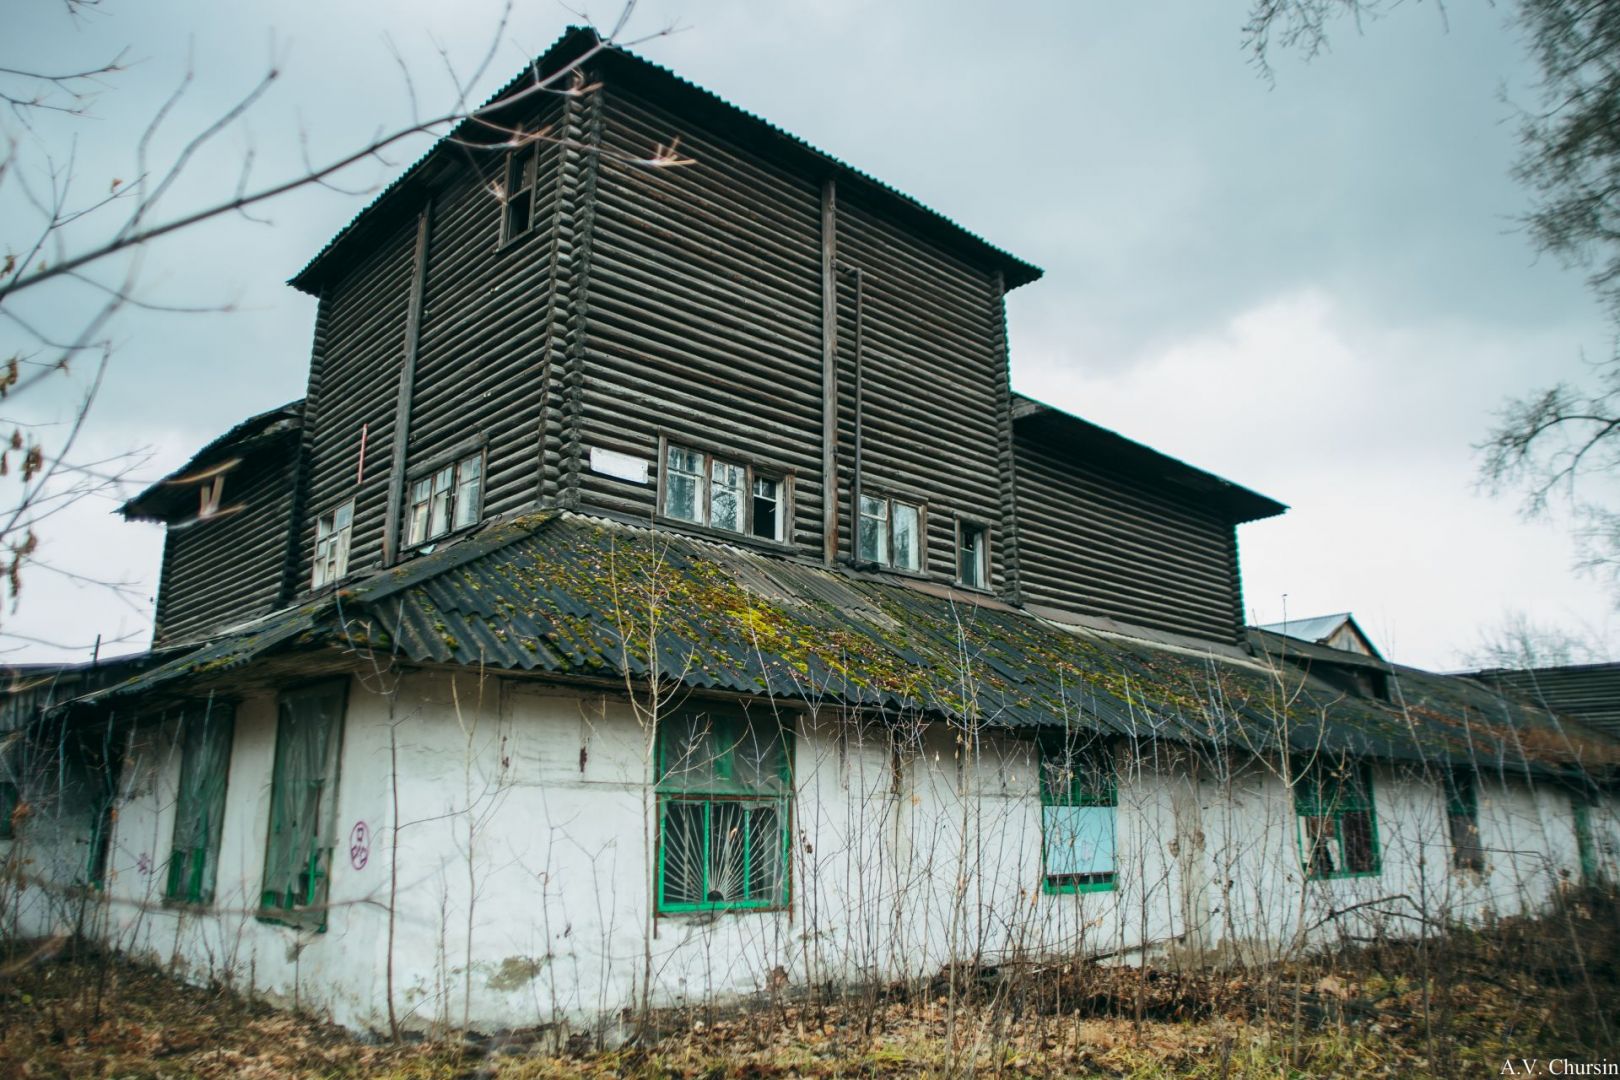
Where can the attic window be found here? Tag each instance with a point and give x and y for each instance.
(517, 212)
(973, 555)
(706, 489)
(446, 500)
(332, 533)
(889, 533)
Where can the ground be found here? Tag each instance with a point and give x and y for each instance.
(1463, 1002)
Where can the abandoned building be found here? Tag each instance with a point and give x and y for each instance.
(660, 595)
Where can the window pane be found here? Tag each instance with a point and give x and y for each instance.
(872, 543)
(683, 480)
(1356, 832)
(728, 852)
(726, 496)
(682, 852)
(439, 506)
(1079, 840)
(419, 523)
(767, 520)
(1320, 836)
(468, 485)
(905, 525)
(971, 567)
(767, 855)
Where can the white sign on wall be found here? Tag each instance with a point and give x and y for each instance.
(622, 466)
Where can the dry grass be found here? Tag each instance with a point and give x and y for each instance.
(1457, 1005)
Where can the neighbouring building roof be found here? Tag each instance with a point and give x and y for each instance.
(1588, 692)
(687, 98)
(1115, 451)
(175, 492)
(567, 596)
(1339, 631)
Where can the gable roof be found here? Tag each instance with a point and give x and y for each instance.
(163, 499)
(1319, 628)
(546, 594)
(682, 96)
(1117, 453)
(1589, 692)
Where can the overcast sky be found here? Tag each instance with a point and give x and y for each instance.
(1314, 287)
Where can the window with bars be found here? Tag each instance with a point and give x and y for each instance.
(446, 500)
(706, 489)
(303, 804)
(724, 785)
(332, 533)
(199, 814)
(889, 533)
(1462, 820)
(1338, 831)
(1079, 802)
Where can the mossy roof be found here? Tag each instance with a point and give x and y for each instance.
(570, 596)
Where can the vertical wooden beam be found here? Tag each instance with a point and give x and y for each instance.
(407, 388)
(573, 383)
(1011, 586)
(293, 579)
(829, 371)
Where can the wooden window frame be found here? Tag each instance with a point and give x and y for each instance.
(1095, 785)
(1324, 793)
(308, 909)
(886, 563)
(187, 881)
(672, 791)
(962, 524)
(319, 575)
(527, 159)
(454, 459)
(1461, 787)
(752, 470)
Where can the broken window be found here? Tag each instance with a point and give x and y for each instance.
(332, 532)
(1079, 799)
(1338, 830)
(723, 785)
(889, 533)
(1462, 819)
(973, 550)
(517, 212)
(199, 815)
(303, 802)
(446, 500)
(708, 490)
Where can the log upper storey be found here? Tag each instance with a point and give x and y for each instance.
(743, 338)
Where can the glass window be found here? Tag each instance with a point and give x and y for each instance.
(972, 566)
(873, 543)
(1337, 827)
(1079, 799)
(767, 508)
(889, 533)
(726, 496)
(303, 801)
(199, 814)
(723, 787)
(517, 215)
(332, 533)
(1462, 820)
(683, 480)
(449, 498)
(906, 528)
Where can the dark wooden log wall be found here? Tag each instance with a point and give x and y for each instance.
(229, 569)
(354, 381)
(1094, 542)
(934, 383)
(704, 311)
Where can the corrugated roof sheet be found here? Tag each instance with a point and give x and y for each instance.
(568, 596)
(1589, 692)
(577, 40)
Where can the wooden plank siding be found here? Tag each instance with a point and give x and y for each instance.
(704, 312)
(228, 569)
(1095, 542)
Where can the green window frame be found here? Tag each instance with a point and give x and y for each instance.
(303, 804)
(199, 814)
(1338, 828)
(1462, 820)
(1079, 811)
(724, 789)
